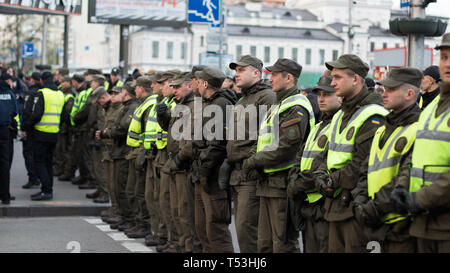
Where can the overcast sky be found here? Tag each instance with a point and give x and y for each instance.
(440, 8)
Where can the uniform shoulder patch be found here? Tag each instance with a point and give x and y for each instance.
(376, 121)
(322, 141)
(400, 144)
(350, 133)
(291, 129)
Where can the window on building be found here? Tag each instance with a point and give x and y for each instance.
(266, 54)
(183, 50)
(155, 49)
(280, 52)
(308, 56)
(397, 45)
(384, 45)
(335, 55)
(202, 41)
(169, 50)
(238, 51)
(253, 51)
(321, 56)
(295, 54)
(372, 46)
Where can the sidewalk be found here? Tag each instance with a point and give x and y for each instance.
(68, 200)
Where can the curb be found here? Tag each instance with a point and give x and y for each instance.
(50, 211)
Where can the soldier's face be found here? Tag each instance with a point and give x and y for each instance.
(167, 90)
(65, 85)
(328, 101)
(343, 83)
(156, 87)
(194, 85)
(444, 64)
(202, 85)
(426, 83)
(116, 97)
(396, 98)
(102, 100)
(279, 81)
(246, 76)
(114, 77)
(181, 91)
(94, 85)
(140, 92)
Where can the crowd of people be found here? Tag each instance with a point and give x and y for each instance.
(346, 162)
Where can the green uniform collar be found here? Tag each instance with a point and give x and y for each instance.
(282, 95)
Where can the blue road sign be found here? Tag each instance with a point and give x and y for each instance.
(405, 3)
(27, 50)
(204, 11)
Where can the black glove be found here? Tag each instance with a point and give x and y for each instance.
(224, 175)
(154, 149)
(161, 109)
(323, 184)
(399, 199)
(364, 218)
(412, 204)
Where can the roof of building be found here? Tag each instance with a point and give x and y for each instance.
(376, 31)
(283, 13)
(281, 32)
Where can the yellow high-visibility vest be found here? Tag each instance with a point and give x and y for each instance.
(53, 106)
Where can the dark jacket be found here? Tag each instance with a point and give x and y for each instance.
(429, 97)
(293, 131)
(119, 130)
(347, 177)
(8, 105)
(381, 204)
(210, 154)
(38, 111)
(260, 94)
(29, 96)
(111, 112)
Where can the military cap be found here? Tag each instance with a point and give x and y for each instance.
(66, 79)
(351, 62)
(432, 71)
(144, 81)
(115, 89)
(196, 68)
(324, 84)
(213, 76)
(445, 42)
(99, 91)
(155, 77)
(179, 79)
(92, 72)
(369, 82)
(170, 74)
(247, 60)
(78, 78)
(399, 76)
(36, 76)
(98, 78)
(115, 71)
(286, 65)
(46, 75)
(130, 87)
(63, 71)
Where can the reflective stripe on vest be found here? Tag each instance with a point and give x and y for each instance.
(341, 146)
(17, 118)
(310, 152)
(384, 162)
(134, 138)
(53, 106)
(267, 137)
(431, 154)
(76, 106)
(67, 97)
(153, 131)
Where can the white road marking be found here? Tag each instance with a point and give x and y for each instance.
(119, 236)
(137, 247)
(129, 243)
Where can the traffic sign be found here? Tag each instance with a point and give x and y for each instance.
(405, 3)
(27, 50)
(204, 11)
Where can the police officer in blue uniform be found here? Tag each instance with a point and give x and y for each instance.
(8, 110)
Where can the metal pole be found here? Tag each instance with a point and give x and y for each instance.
(66, 41)
(416, 42)
(44, 41)
(221, 33)
(123, 55)
(350, 6)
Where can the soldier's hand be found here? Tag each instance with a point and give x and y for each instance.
(323, 184)
(364, 218)
(161, 108)
(399, 198)
(97, 134)
(291, 190)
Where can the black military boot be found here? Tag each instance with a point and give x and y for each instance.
(31, 183)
